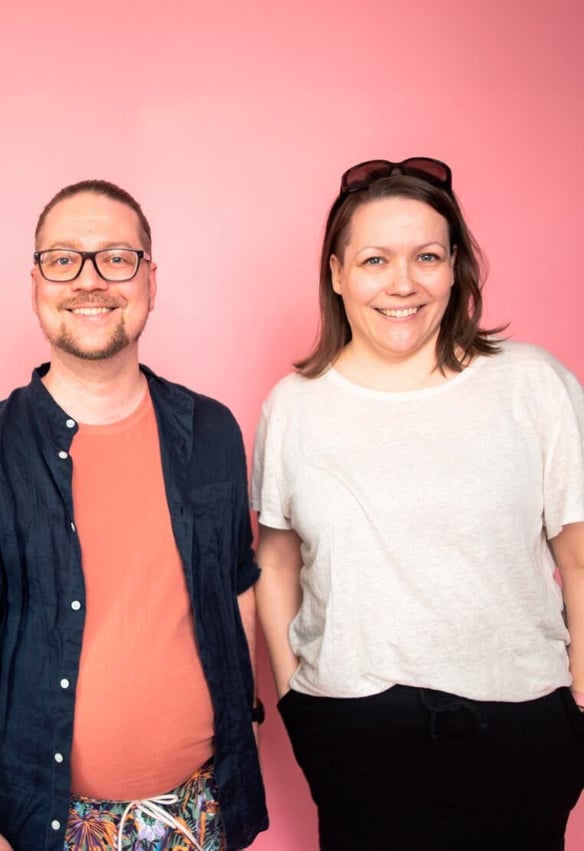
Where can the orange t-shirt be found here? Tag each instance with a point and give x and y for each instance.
(143, 712)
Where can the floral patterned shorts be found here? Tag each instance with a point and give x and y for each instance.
(94, 825)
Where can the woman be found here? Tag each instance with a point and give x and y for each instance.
(417, 480)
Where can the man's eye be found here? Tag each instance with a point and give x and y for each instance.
(57, 260)
(117, 258)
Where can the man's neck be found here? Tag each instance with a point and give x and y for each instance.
(95, 392)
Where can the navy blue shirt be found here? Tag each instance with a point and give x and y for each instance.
(42, 601)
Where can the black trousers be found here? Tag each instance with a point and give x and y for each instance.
(420, 770)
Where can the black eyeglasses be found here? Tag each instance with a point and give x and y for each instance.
(61, 265)
(425, 168)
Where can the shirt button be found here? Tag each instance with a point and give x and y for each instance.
(55, 824)
(70, 423)
(64, 683)
(58, 757)
(75, 605)
(63, 454)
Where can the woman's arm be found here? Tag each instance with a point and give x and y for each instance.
(4, 846)
(568, 550)
(278, 598)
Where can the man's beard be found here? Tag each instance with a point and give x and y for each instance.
(67, 343)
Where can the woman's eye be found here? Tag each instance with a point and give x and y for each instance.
(428, 257)
(374, 261)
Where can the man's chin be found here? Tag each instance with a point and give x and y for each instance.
(115, 346)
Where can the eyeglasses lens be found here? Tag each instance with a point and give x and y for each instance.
(364, 174)
(428, 169)
(61, 265)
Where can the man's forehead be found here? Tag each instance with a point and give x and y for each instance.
(91, 205)
(87, 213)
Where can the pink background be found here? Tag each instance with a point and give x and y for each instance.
(232, 121)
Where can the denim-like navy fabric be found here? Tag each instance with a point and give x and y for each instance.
(42, 601)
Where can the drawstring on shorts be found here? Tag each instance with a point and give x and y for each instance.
(153, 807)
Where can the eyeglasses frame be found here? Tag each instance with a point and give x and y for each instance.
(91, 255)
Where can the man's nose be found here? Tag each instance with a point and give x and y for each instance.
(88, 278)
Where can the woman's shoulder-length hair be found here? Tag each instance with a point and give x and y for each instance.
(460, 338)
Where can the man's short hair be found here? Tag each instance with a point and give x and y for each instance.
(99, 187)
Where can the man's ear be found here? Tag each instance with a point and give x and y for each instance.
(152, 285)
(33, 289)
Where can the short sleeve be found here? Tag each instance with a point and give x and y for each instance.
(269, 483)
(564, 459)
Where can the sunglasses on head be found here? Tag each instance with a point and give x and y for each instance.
(425, 168)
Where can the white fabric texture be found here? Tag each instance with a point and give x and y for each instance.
(424, 518)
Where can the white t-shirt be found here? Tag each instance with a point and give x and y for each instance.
(424, 518)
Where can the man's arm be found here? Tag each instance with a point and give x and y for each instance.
(568, 551)
(247, 610)
(278, 597)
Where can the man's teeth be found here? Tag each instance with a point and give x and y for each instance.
(91, 311)
(398, 314)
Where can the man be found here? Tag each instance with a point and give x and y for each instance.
(126, 570)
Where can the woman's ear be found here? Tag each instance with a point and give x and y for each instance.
(335, 265)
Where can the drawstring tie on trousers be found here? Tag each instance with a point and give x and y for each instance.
(437, 702)
(154, 808)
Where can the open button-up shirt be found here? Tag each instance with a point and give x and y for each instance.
(42, 601)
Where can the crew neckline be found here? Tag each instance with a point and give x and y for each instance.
(126, 422)
(370, 392)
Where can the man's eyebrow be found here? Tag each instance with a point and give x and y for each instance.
(75, 245)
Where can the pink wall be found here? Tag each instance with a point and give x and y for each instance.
(232, 122)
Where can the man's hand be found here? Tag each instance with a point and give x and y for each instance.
(4, 846)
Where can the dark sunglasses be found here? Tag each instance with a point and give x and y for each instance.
(425, 168)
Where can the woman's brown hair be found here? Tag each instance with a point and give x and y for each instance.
(460, 337)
